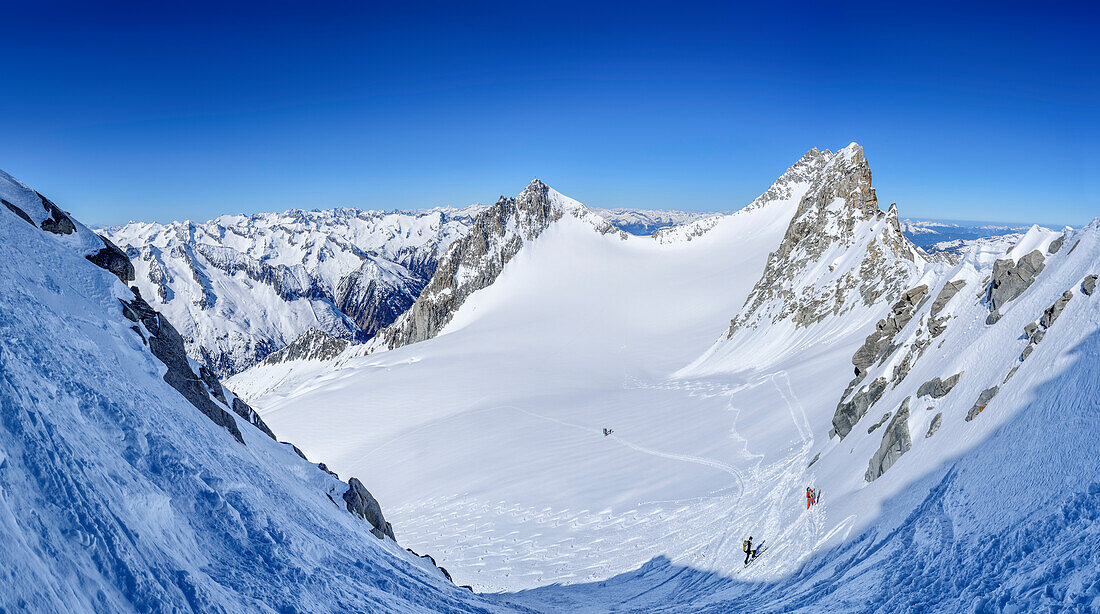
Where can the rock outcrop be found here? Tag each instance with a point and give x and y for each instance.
(167, 345)
(1088, 286)
(895, 442)
(983, 399)
(113, 259)
(934, 426)
(937, 388)
(58, 221)
(1056, 245)
(16, 210)
(885, 417)
(361, 503)
(879, 344)
(937, 325)
(314, 344)
(1011, 279)
(849, 413)
(1055, 310)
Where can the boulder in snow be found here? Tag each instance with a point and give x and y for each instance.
(848, 414)
(895, 442)
(937, 388)
(935, 426)
(1055, 310)
(1088, 285)
(983, 399)
(1011, 279)
(361, 503)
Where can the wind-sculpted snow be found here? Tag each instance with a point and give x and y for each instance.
(240, 287)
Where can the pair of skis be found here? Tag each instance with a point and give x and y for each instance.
(756, 554)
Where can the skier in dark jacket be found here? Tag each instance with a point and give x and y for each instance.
(747, 547)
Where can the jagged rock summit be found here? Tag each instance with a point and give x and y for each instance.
(477, 259)
(840, 246)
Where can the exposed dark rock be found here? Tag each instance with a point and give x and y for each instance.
(1029, 329)
(879, 344)
(1088, 285)
(167, 345)
(874, 426)
(1011, 373)
(1038, 336)
(1055, 310)
(432, 560)
(314, 344)
(212, 384)
(245, 411)
(1056, 245)
(373, 300)
(950, 289)
(937, 388)
(848, 414)
(814, 460)
(293, 447)
(58, 222)
(993, 318)
(18, 211)
(935, 426)
(1028, 349)
(361, 503)
(895, 442)
(114, 260)
(324, 467)
(983, 399)
(1011, 279)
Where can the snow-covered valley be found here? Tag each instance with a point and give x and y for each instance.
(489, 438)
(566, 416)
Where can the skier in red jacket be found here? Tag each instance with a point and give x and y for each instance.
(809, 497)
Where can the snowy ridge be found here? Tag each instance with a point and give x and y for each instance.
(474, 261)
(241, 287)
(118, 494)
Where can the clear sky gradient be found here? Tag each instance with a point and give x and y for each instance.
(163, 111)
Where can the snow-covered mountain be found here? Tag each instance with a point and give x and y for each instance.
(132, 480)
(241, 287)
(927, 233)
(800, 341)
(644, 222)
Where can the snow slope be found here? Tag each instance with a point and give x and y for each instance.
(118, 495)
(240, 287)
(498, 420)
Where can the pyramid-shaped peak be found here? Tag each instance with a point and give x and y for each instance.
(536, 185)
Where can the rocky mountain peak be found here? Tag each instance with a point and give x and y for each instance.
(838, 214)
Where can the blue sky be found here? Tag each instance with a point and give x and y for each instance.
(161, 111)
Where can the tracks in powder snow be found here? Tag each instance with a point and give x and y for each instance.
(499, 545)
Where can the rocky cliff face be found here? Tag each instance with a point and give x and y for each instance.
(477, 259)
(840, 248)
(241, 287)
